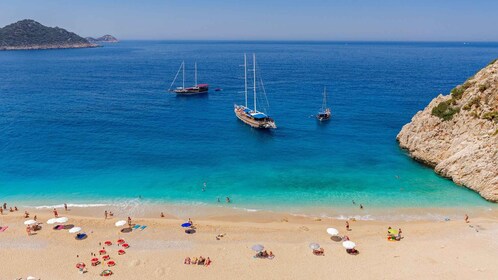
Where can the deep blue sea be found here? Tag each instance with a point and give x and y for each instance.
(97, 125)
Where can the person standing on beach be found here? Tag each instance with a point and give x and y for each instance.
(28, 230)
(347, 226)
(56, 214)
(466, 218)
(105, 215)
(1, 210)
(361, 206)
(65, 207)
(129, 221)
(4, 206)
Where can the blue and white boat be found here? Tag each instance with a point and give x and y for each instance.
(253, 117)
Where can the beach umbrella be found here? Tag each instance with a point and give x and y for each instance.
(187, 224)
(348, 244)
(393, 231)
(74, 230)
(332, 231)
(52, 221)
(257, 247)
(314, 246)
(61, 220)
(120, 223)
(32, 278)
(30, 222)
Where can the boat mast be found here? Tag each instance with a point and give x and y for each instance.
(254, 79)
(183, 83)
(245, 77)
(324, 105)
(195, 66)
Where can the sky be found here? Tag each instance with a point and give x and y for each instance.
(322, 20)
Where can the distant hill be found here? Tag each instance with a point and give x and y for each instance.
(30, 35)
(103, 39)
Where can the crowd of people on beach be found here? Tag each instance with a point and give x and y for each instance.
(198, 261)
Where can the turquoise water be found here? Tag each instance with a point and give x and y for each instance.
(96, 125)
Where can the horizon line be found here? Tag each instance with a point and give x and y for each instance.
(310, 40)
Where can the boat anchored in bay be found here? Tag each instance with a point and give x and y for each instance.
(195, 89)
(324, 113)
(253, 117)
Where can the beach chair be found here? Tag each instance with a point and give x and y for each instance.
(136, 227)
(143, 227)
(81, 236)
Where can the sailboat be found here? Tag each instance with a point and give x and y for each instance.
(252, 117)
(324, 113)
(195, 89)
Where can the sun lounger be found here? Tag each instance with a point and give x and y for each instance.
(136, 227)
(4, 228)
(143, 227)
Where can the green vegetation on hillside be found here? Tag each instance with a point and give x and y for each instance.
(29, 33)
(445, 110)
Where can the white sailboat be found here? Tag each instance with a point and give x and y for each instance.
(252, 117)
(324, 113)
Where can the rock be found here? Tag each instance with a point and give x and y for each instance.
(103, 39)
(457, 134)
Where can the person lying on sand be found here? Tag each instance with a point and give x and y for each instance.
(187, 260)
(11, 210)
(26, 214)
(219, 236)
(208, 262)
(319, 252)
(201, 261)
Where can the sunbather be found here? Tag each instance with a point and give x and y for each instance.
(271, 255)
(208, 262)
(187, 260)
(319, 252)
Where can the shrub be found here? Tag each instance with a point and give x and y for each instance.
(493, 61)
(474, 101)
(492, 116)
(457, 92)
(444, 110)
(483, 87)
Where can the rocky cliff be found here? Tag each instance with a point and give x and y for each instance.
(457, 134)
(28, 35)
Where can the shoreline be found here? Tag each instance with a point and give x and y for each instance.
(50, 47)
(146, 209)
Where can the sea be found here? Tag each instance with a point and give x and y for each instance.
(98, 126)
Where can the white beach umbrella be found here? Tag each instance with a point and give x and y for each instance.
(52, 221)
(314, 246)
(30, 222)
(348, 244)
(61, 220)
(332, 231)
(74, 230)
(120, 223)
(32, 278)
(257, 247)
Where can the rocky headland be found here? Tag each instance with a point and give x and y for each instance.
(104, 39)
(30, 35)
(457, 134)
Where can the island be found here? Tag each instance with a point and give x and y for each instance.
(104, 39)
(31, 35)
(457, 134)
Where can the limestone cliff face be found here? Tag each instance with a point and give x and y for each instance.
(457, 134)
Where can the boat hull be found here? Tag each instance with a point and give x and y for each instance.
(260, 124)
(192, 90)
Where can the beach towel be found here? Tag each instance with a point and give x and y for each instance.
(2, 229)
(143, 227)
(136, 226)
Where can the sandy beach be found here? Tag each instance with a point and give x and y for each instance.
(430, 249)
